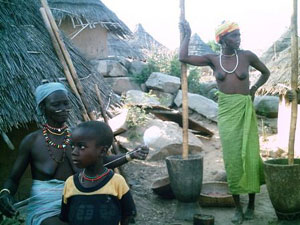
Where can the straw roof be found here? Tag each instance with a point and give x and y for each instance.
(145, 42)
(278, 46)
(278, 60)
(26, 58)
(198, 47)
(90, 12)
(121, 47)
(280, 77)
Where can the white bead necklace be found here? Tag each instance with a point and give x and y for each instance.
(237, 62)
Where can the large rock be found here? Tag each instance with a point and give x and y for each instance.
(163, 82)
(111, 68)
(266, 106)
(122, 84)
(166, 99)
(136, 67)
(164, 138)
(140, 98)
(200, 104)
(118, 123)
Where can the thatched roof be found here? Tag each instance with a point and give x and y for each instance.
(26, 58)
(278, 46)
(198, 47)
(90, 12)
(280, 77)
(278, 60)
(145, 42)
(121, 47)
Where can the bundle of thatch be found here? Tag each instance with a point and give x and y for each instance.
(121, 47)
(198, 47)
(89, 12)
(145, 42)
(27, 57)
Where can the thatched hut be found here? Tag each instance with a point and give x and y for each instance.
(198, 47)
(278, 84)
(86, 23)
(27, 58)
(145, 42)
(277, 47)
(122, 47)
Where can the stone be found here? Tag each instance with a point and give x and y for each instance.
(166, 99)
(220, 176)
(122, 84)
(111, 68)
(136, 97)
(200, 104)
(136, 67)
(167, 139)
(266, 106)
(163, 82)
(118, 123)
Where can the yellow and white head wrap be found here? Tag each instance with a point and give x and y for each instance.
(225, 28)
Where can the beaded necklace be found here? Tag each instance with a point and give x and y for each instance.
(95, 178)
(54, 129)
(57, 146)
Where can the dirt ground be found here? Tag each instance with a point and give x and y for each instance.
(153, 210)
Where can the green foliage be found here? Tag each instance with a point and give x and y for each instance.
(169, 64)
(162, 62)
(175, 68)
(194, 85)
(143, 77)
(214, 46)
(136, 117)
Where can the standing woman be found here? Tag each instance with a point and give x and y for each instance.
(237, 119)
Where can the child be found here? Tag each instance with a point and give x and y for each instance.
(96, 195)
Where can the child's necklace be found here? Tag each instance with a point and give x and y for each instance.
(95, 178)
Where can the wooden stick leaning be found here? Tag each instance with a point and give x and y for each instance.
(115, 146)
(68, 59)
(184, 87)
(63, 62)
(103, 113)
(294, 82)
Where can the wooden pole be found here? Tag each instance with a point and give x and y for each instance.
(294, 82)
(63, 62)
(184, 88)
(67, 58)
(104, 115)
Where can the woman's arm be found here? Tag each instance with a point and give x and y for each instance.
(260, 66)
(11, 184)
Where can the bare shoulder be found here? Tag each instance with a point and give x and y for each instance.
(28, 140)
(248, 53)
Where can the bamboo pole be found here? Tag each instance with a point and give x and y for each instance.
(63, 62)
(68, 59)
(184, 87)
(294, 82)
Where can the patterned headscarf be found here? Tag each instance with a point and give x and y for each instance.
(225, 28)
(44, 90)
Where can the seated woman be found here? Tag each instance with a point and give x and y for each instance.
(48, 152)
